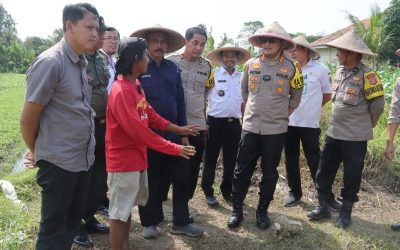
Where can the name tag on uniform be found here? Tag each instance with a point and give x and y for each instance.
(221, 80)
(146, 76)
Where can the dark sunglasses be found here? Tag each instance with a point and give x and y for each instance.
(269, 40)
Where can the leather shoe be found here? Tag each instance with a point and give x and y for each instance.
(211, 201)
(291, 200)
(234, 220)
(395, 227)
(82, 239)
(97, 228)
(228, 198)
(262, 220)
(102, 210)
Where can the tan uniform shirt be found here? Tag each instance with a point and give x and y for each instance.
(269, 88)
(357, 103)
(197, 79)
(394, 112)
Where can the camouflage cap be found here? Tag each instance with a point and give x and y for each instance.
(102, 25)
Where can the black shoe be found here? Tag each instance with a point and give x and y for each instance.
(102, 210)
(319, 213)
(291, 200)
(82, 239)
(95, 227)
(395, 227)
(228, 198)
(211, 201)
(344, 219)
(334, 205)
(262, 220)
(235, 219)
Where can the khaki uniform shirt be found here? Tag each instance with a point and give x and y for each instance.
(394, 113)
(98, 77)
(269, 88)
(357, 103)
(57, 80)
(197, 79)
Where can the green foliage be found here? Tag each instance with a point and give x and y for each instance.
(12, 88)
(18, 226)
(8, 31)
(225, 40)
(391, 30)
(249, 28)
(389, 75)
(310, 38)
(210, 45)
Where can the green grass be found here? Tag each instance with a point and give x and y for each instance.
(12, 91)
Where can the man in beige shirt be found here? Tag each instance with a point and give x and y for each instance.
(357, 103)
(197, 80)
(271, 88)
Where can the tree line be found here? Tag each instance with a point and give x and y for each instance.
(381, 34)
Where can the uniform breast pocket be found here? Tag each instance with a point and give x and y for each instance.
(254, 84)
(310, 84)
(351, 95)
(200, 83)
(105, 75)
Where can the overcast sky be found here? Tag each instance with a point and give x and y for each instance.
(41, 17)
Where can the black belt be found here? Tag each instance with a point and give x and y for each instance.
(228, 119)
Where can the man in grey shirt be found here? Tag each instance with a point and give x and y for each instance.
(58, 128)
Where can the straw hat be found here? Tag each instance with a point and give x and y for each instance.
(272, 30)
(215, 58)
(302, 41)
(351, 41)
(175, 40)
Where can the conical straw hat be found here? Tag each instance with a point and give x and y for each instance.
(272, 30)
(175, 40)
(214, 55)
(351, 41)
(302, 41)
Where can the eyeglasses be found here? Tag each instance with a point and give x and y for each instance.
(110, 38)
(269, 40)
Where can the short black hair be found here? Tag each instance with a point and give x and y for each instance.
(130, 51)
(195, 30)
(109, 28)
(76, 12)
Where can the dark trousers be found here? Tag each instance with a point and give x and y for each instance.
(309, 138)
(98, 183)
(223, 133)
(179, 173)
(195, 161)
(352, 154)
(64, 197)
(252, 146)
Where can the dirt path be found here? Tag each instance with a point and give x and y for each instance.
(370, 229)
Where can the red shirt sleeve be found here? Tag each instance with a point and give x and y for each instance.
(125, 111)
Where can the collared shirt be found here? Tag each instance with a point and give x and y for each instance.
(394, 112)
(357, 103)
(163, 89)
(98, 77)
(57, 80)
(316, 83)
(225, 99)
(128, 119)
(269, 88)
(197, 79)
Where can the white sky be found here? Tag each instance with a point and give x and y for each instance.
(41, 17)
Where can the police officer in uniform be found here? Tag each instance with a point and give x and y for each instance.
(271, 89)
(223, 114)
(357, 103)
(98, 77)
(393, 125)
(197, 79)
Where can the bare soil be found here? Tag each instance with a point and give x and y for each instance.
(370, 229)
